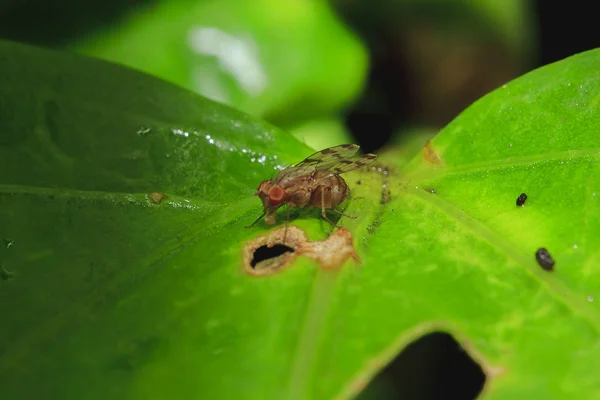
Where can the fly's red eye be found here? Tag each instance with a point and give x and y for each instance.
(276, 196)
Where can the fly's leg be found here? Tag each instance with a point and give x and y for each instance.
(323, 214)
(327, 219)
(345, 215)
(287, 218)
(257, 219)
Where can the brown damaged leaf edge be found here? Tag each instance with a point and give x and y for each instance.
(330, 253)
(430, 155)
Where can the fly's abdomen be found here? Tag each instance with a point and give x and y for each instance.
(330, 193)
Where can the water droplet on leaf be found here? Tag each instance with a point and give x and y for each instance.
(143, 131)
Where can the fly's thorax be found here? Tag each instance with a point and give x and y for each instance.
(298, 190)
(298, 197)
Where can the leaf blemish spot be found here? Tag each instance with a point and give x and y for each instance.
(386, 194)
(157, 197)
(270, 253)
(382, 170)
(430, 155)
(374, 225)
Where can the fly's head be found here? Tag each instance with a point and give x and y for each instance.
(272, 196)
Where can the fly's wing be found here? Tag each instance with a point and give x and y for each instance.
(337, 160)
(348, 164)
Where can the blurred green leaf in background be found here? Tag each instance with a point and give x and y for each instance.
(283, 60)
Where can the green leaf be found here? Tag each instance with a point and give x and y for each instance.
(114, 296)
(463, 259)
(285, 60)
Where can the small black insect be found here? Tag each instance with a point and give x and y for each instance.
(544, 259)
(521, 199)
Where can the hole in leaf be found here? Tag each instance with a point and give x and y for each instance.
(273, 251)
(265, 253)
(432, 367)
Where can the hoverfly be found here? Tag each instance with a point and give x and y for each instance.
(313, 182)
